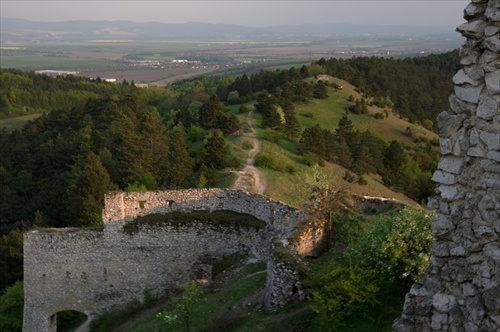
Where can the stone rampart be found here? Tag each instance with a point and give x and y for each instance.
(460, 290)
(94, 271)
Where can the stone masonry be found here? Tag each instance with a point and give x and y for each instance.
(460, 290)
(97, 270)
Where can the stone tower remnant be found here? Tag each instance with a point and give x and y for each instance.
(460, 290)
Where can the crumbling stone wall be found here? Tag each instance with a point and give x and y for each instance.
(97, 270)
(460, 290)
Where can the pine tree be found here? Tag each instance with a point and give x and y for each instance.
(292, 126)
(215, 150)
(88, 182)
(179, 164)
(209, 111)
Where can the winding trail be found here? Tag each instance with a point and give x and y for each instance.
(250, 178)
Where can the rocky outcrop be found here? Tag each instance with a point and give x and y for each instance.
(460, 290)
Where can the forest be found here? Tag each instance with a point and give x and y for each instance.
(93, 136)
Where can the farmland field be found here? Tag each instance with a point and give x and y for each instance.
(154, 61)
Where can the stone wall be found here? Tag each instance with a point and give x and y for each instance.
(94, 271)
(460, 290)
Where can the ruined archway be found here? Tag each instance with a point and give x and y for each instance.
(99, 270)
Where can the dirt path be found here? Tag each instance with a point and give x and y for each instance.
(250, 178)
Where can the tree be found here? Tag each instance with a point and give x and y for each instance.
(312, 140)
(11, 255)
(183, 307)
(179, 165)
(327, 193)
(88, 183)
(394, 161)
(320, 91)
(209, 111)
(215, 150)
(243, 108)
(292, 126)
(11, 308)
(344, 128)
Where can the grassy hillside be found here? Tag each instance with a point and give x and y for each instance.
(286, 182)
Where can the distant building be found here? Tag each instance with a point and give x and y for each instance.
(56, 72)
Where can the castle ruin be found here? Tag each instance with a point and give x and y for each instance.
(460, 290)
(98, 270)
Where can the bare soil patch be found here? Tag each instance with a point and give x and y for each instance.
(250, 178)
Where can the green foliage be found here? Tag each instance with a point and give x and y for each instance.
(215, 150)
(144, 183)
(377, 268)
(88, 183)
(68, 320)
(312, 159)
(219, 218)
(11, 256)
(264, 161)
(417, 87)
(109, 320)
(397, 246)
(183, 307)
(179, 164)
(11, 308)
(346, 293)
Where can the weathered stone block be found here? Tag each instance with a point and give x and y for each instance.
(458, 251)
(438, 320)
(444, 178)
(491, 140)
(493, 11)
(461, 78)
(492, 250)
(493, 155)
(443, 302)
(451, 164)
(474, 29)
(439, 249)
(473, 11)
(469, 94)
(468, 289)
(492, 80)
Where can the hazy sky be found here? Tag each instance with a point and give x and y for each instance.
(249, 13)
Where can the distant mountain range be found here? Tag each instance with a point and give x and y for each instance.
(18, 29)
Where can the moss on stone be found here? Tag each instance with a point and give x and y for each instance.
(219, 218)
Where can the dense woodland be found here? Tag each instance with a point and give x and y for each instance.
(95, 136)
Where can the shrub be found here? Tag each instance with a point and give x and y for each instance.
(264, 161)
(247, 145)
(11, 308)
(346, 293)
(312, 159)
(349, 177)
(271, 136)
(397, 246)
(309, 114)
(291, 169)
(362, 181)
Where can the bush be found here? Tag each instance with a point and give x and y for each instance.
(264, 161)
(397, 246)
(312, 159)
(11, 308)
(362, 181)
(247, 145)
(375, 271)
(309, 115)
(347, 293)
(271, 136)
